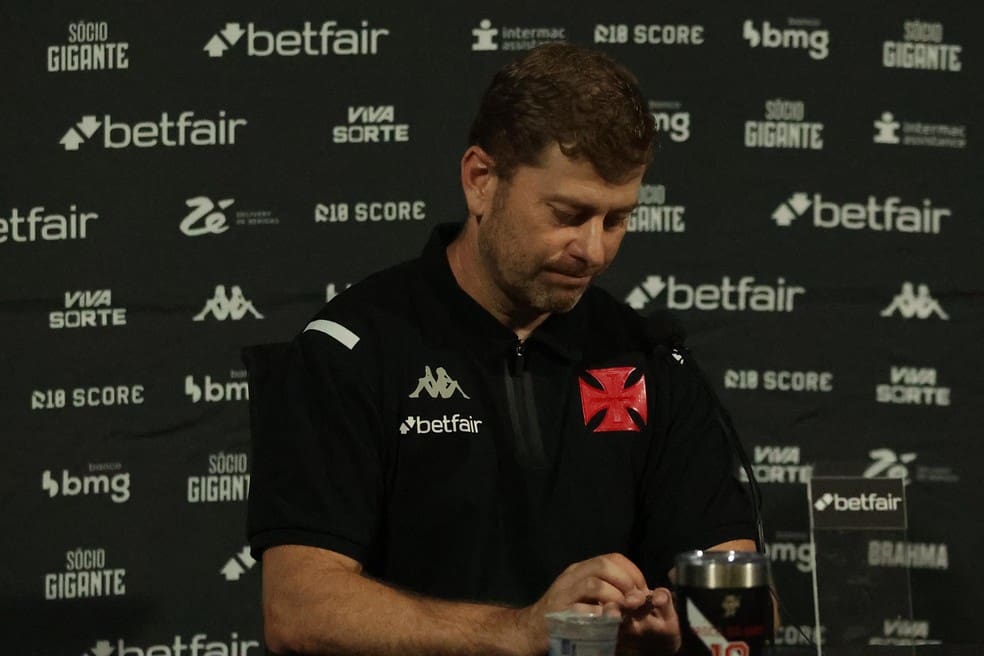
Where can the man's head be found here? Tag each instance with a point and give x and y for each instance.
(560, 93)
(557, 155)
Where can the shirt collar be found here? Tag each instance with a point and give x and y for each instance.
(468, 322)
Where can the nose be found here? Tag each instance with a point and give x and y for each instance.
(589, 246)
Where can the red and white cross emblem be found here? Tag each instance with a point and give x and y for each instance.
(616, 398)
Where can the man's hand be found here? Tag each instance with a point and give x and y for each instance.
(652, 628)
(611, 583)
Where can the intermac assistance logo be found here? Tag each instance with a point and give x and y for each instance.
(785, 126)
(922, 48)
(88, 49)
(745, 295)
(915, 302)
(223, 306)
(329, 38)
(799, 34)
(168, 131)
(208, 217)
(917, 133)
(888, 215)
(489, 38)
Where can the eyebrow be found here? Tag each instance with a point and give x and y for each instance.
(578, 205)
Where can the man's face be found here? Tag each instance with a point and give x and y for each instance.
(551, 229)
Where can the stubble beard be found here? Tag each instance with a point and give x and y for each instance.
(513, 272)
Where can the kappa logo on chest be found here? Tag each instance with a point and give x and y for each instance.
(617, 395)
(440, 386)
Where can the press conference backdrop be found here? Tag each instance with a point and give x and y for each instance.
(180, 181)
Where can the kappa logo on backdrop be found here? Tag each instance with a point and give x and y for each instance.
(888, 215)
(327, 39)
(912, 304)
(197, 645)
(617, 395)
(488, 38)
(182, 131)
(440, 386)
(922, 49)
(45, 227)
(222, 306)
(238, 565)
(727, 296)
(88, 49)
(796, 36)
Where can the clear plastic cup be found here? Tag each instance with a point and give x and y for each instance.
(582, 634)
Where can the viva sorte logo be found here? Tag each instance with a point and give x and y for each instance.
(329, 38)
(88, 308)
(168, 131)
(888, 215)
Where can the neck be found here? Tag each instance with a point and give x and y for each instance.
(475, 280)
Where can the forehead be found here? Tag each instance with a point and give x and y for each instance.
(557, 174)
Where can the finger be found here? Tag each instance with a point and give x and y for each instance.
(595, 590)
(628, 568)
(616, 569)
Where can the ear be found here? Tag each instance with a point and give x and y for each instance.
(478, 180)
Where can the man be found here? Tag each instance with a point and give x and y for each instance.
(473, 439)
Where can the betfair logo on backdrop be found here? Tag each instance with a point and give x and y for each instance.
(371, 124)
(329, 38)
(37, 226)
(185, 130)
(922, 48)
(912, 304)
(888, 215)
(488, 38)
(784, 127)
(86, 576)
(238, 565)
(197, 645)
(88, 49)
(742, 296)
(800, 33)
(653, 214)
(224, 306)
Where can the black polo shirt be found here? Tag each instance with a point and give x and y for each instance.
(408, 429)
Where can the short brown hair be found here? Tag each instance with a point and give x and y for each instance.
(580, 98)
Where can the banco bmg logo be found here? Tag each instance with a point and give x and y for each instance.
(95, 483)
(169, 131)
(878, 215)
(212, 390)
(799, 34)
(741, 296)
(311, 40)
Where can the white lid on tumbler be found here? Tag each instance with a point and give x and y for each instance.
(722, 569)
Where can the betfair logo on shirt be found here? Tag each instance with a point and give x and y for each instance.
(442, 385)
(440, 425)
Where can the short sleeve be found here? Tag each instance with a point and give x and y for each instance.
(316, 477)
(691, 497)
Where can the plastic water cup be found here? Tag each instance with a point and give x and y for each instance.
(582, 634)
